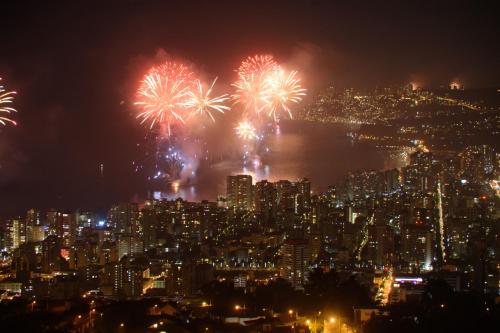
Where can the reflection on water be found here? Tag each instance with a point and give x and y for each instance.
(321, 152)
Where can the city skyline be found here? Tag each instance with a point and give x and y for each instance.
(249, 166)
(76, 94)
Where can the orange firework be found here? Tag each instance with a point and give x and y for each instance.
(250, 86)
(246, 131)
(6, 100)
(281, 89)
(201, 102)
(163, 94)
(249, 93)
(257, 66)
(264, 86)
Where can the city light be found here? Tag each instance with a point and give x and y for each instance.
(249, 167)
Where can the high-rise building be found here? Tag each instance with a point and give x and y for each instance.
(349, 215)
(17, 232)
(458, 239)
(51, 255)
(391, 180)
(239, 192)
(33, 226)
(303, 196)
(477, 162)
(55, 222)
(380, 245)
(417, 244)
(191, 277)
(315, 245)
(69, 227)
(108, 253)
(286, 193)
(5, 237)
(265, 202)
(129, 245)
(37, 233)
(362, 184)
(127, 276)
(149, 225)
(295, 261)
(420, 174)
(124, 218)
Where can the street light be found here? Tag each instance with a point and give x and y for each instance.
(332, 320)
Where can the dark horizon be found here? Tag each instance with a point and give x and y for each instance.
(76, 65)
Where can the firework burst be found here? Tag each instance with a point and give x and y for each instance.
(163, 94)
(249, 93)
(250, 86)
(201, 103)
(280, 90)
(257, 66)
(264, 86)
(246, 131)
(6, 100)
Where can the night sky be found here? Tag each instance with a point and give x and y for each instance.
(76, 64)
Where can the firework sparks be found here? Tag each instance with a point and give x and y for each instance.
(250, 87)
(201, 102)
(6, 100)
(282, 89)
(263, 85)
(249, 93)
(163, 94)
(257, 66)
(246, 131)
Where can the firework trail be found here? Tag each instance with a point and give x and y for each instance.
(6, 100)
(201, 102)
